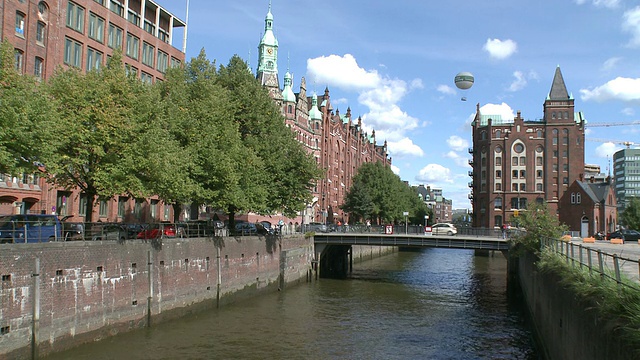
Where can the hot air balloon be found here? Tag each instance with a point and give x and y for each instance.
(464, 80)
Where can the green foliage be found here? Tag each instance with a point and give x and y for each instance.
(613, 302)
(26, 118)
(630, 216)
(377, 193)
(537, 222)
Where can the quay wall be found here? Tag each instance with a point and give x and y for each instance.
(566, 327)
(76, 292)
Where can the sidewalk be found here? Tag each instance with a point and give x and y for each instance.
(629, 254)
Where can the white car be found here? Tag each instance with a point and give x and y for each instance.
(444, 229)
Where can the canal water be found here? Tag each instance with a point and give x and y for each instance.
(432, 304)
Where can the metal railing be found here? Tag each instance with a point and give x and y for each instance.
(607, 266)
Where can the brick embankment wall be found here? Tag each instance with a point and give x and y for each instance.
(363, 252)
(566, 327)
(84, 291)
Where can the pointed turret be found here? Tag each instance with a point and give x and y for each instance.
(268, 55)
(287, 92)
(558, 88)
(314, 112)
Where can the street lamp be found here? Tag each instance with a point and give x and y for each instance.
(426, 217)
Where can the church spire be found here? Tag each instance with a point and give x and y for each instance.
(268, 55)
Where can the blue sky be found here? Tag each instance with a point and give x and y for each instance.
(393, 63)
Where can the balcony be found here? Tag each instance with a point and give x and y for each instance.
(470, 196)
(470, 150)
(471, 184)
(471, 173)
(471, 162)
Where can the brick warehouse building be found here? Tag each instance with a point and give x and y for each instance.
(82, 34)
(516, 162)
(337, 141)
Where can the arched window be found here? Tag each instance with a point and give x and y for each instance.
(498, 133)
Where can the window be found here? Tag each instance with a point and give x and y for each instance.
(483, 174)
(565, 140)
(149, 27)
(565, 153)
(154, 209)
(137, 209)
(514, 161)
(19, 59)
(523, 187)
(539, 133)
(115, 37)
(555, 167)
(497, 203)
(42, 9)
(565, 180)
(101, 2)
(523, 161)
(539, 174)
(498, 133)
(498, 174)
(133, 17)
(75, 17)
(555, 153)
(146, 78)
(116, 7)
(40, 32)
(148, 54)
(555, 141)
(163, 62)
(72, 53)
(96, 27)
(19, 24)
(514, 187)
(131, 70)
(514, 174)
(539, 160)
(514, 203)
(175, 62)
(498, 187)
(82, 210)
(94, 59)
(104, 207)
(166, 213)
(122, 201)
(498, 161)
(565, 167)
(538, 187)
(518, 148)
(578, 198)
(133, 46)
(38, 67)
(523, 174)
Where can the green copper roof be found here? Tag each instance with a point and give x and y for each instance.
(287, 92)
(495, 120)
(315, 113)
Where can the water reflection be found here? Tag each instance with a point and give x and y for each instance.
(434, 304)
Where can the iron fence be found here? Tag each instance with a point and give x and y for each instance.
(607, 266)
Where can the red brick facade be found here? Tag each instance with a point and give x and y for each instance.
(44, 38)
(338, 142)
(589, 207)
(517, 162)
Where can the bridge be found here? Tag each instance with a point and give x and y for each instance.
(334, 249)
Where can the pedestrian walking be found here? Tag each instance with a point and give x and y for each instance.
(504, 231)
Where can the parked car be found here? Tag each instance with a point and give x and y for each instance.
(158, 230)
(317, 227)
(134, 229)
(72, 230)
(109, 231)
(28, 228)
(444, 229)
(246, 228)
(625, 235)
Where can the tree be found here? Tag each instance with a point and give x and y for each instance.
(281, 176)
(101, 124)
(537, 223)
(630, 216)
(26, 118)
(377, 193)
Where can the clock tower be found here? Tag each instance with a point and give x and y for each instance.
(268, 58)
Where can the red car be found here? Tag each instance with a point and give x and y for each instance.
(158, 230)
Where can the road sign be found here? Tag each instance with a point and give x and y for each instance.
(427, 231)
(388, 229)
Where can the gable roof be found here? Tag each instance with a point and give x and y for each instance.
(596, 191)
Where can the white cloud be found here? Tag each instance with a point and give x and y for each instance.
(611, 4)
(503, 110)
(395, 169)
(457, 143)
(631, 24)
(446, 89)
(341, 71)
(607, 150)
(500, 49)
(628, 111)
(623, 89)
(610, 63)
(457, 158)
(404, 147)
(519, 83)
(417, 84)
(434, 174)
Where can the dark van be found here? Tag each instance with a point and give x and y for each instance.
(30, 228)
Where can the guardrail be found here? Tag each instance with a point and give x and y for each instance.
(610, 266)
